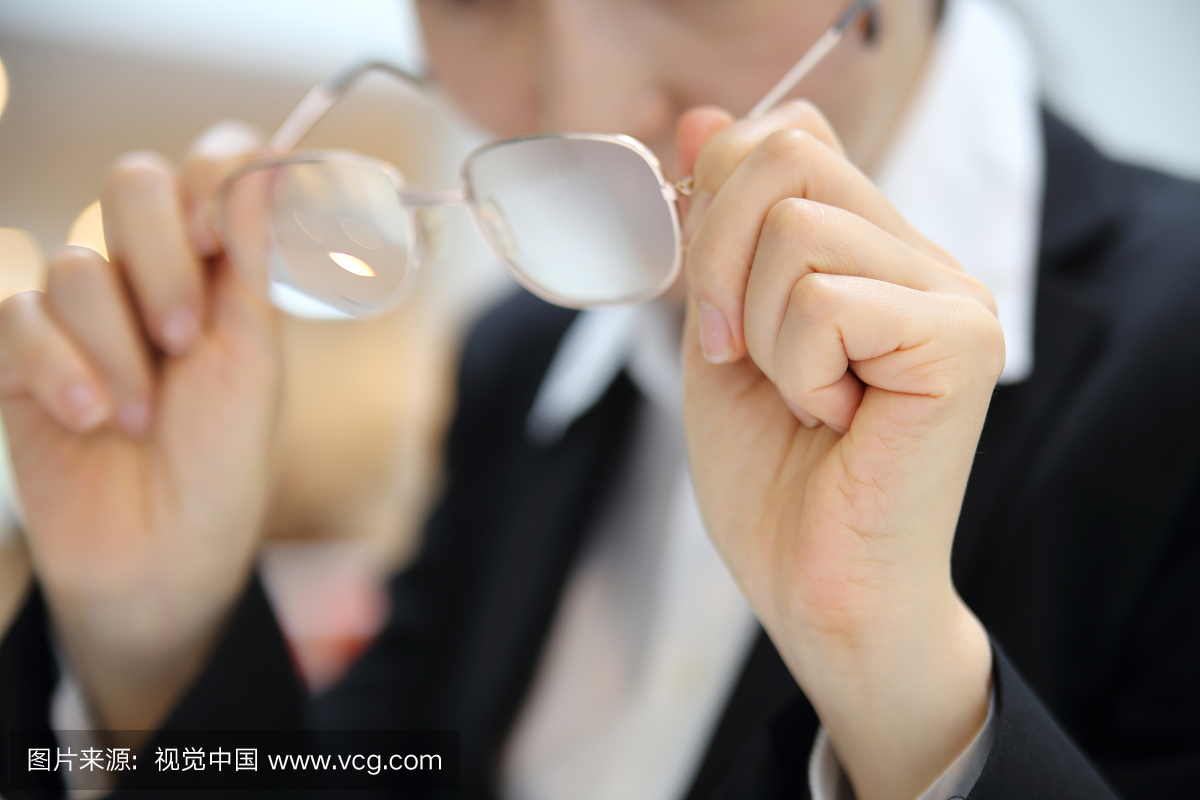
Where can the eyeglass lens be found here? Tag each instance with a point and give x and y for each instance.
(581, 220)
(320, 236)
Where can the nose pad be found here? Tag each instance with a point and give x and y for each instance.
(497, 229)
(431, 230)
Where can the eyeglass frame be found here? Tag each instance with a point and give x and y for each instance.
(322, 97)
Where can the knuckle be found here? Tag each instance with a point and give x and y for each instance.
(815, 295)
(978, 290)
(806, 115)
(787, 144)
(992, 348)
(793, 218)
(983, 337)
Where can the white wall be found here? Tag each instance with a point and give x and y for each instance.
(306, 38)
(1127, 73)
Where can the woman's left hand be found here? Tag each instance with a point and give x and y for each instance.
(831, 429)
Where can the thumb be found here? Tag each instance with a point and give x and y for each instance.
(694, 130)
(218, 152)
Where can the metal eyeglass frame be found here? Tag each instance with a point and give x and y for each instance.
(324, 95)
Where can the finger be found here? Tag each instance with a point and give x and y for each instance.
(842, 332)
(85, 295)
(147, 238)
(806, 419)
(219, 151)
(795, 143)
(801, 237)
(725, 151)
(696, 127)
(788, 163)
(726, 147)
(38, 358)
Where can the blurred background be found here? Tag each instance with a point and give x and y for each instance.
(82, 81)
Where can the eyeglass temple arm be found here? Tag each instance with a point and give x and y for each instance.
(322, 97)
(814, 55)
(818, 51)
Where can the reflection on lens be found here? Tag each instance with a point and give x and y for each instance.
(582, 220)
(361, 233)
(352, 265)
(304, 233)
(309, 226)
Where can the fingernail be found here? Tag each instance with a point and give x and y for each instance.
(84, 405)
(203, 237)
(179, 328)
(836, 429)
(806, 419)
(134, 417)
(700, 203)
(715, 339)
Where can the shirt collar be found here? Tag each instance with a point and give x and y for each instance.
(966, 169)
(643, 340)
(967, 166)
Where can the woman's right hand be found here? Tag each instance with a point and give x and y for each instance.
(140, 396)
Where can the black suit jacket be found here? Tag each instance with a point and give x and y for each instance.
(1078, 544)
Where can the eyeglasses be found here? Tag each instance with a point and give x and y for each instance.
(579, 219)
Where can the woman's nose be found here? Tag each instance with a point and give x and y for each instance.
(597, 70)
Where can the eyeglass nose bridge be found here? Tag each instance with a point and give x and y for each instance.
(426, 205)
(428, 197)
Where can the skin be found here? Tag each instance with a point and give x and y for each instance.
(837, 368)
(812, 301)
(634, 67)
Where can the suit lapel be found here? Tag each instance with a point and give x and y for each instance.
(1080, 213)
(1020, 418)
(767, 725)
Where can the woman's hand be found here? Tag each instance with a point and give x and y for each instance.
(838, 367)
(139, 396)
